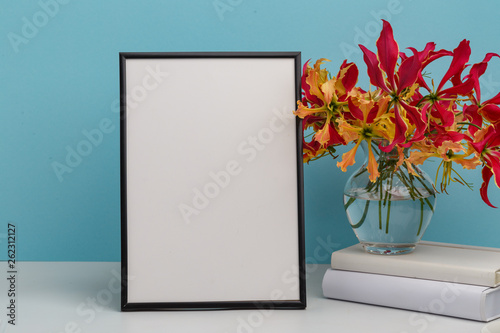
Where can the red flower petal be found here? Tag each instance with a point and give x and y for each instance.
(460, 89)
(427, 56)
(493, 161)
(335, 138)
(475, 72)
(417, 119)
(481, 145)
(355, 111)
(306, 88)
(486, 173)
(471, 114)
(433, 55)
(388, 51)
(350, 78)
(408, 72)
(460, 57)
(374, 72)
(399, 133)
(491, 112)
(494, 100)
(447, 117)
(372, 114)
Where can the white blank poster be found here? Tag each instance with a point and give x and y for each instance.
(212, 210)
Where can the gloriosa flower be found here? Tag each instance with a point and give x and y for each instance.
(447, 122)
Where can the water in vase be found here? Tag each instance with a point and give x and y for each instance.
(389, 226)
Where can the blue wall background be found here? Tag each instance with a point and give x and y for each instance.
(59, 77)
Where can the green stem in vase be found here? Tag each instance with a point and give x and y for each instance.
(394, 182)
(388, 216)
(421, 216)
(409, 184)
(427, 200)
(380, 213)
(388, 205)
(349, 202)
(430, 191)
(380, 206)
(363, 218)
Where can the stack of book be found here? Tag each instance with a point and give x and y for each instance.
(446, 279)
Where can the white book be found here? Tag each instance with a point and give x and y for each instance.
(438, 297)
(430, 260)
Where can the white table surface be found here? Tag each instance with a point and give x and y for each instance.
(79, 297)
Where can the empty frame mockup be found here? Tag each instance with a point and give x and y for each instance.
(211, 176)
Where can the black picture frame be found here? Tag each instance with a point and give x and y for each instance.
(212, 207)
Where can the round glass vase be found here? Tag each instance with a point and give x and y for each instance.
(390, 215)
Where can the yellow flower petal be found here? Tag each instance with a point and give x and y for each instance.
(347, 131)
(328, 89)
(313, 80)
(470, 163)
(419, 157)
(348, 158)
(303, 110)
(372, 164)
(410, 168)
(323, 135)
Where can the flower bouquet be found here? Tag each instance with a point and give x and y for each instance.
(404, 118)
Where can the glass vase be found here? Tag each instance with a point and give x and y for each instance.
(390, 215)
